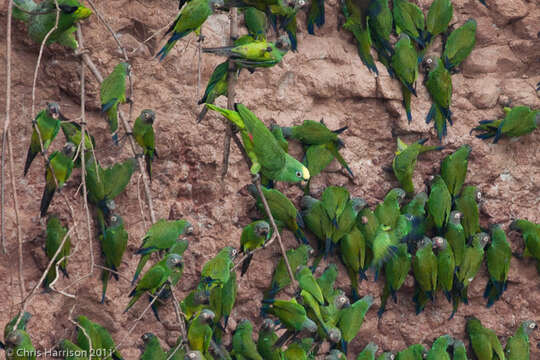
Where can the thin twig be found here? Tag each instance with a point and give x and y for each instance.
(266, 244)
(151, 37)
(83, 144)
(6, 122)
(181, 320)
(231, 84)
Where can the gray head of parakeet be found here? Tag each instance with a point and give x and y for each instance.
(358, 203)
(483, 238)
(207, 315)
(14, 338)
(341, 301)
(310, 325)
(174, 261)
(110, 204)
(148, 116)
(53, 110)
(147, 337)
(217, 4)
(440, 243)
(267, 324)
(334, 335)
(424, 242)
(455, 217)
(194, 355)
(429, 62)
(283, 43)
(529, 326)
(69, 149)
(398, 193)
(262, 228)
(115, 220)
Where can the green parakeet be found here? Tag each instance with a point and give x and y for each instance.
(307, 282)
(327, 281)
(282, 209)
(72, 351)
(446, 266)
(280, 277)
(439, 348)
(48, 124)
(413, 352)
(459, 44)
(256, 23)
(57, 172)
(472, 260)
(291, 314)
(351, 319)
(41, 18)
(531, 236)
(405, 161)
(313, 133)
(439, 86)
(253, 236)
(352, 250)
(266, 340)
(467, 205)
(368, 353)
(55, 235)
(200, 332)
(316, 16)
(454, 169)
(242, 342)
(386, 356)
(316, 220)
(73, 134)
(498, 258)
(409, 20)
(19, 346)
(356, 21)
(460, 352)
(222, 299)
(217, 86)
(295, 352)
(484, 341)
(519, 121)
(396, 270)
(437, 20)
(425, 269)
(190, 19)
(143, 132)
(26, 316)
(194, 302)
(113, 93)
(160, 236)
(517, 346)
(388, 211)
(383, 248)
(380, 27)
(113, 245)
(258, 53)
(439, 204)
(100, 337)
(404, 62)
(266, 154)
(217, 270)
(417, 205)
(152, 348)
(456, 238)
(155, 278)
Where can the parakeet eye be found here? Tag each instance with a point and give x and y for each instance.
(299, 174)
(114, 219)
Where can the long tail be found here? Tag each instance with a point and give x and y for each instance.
(30, 156)
(148, 159)
(170, 44)
(221, 51)
(48, 194)
(406, 91)
(245, 264)
(105, 276)
(384, 298)
(202, 114)
(140, 266)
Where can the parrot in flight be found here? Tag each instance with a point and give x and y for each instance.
(190, 19)
(57, 172)
(41, 19)
(113, 93)
(519, 121)
(48, 124)
(266, 154)
(143, 132)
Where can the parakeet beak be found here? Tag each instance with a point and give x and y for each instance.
(305, 176)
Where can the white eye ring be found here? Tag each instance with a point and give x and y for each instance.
(298, 174)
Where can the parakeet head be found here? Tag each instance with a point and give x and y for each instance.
(341, 301)
(529, 326)
(358, 204)
(262, 228)
(298, 4)
(310, 325)
(217, 4)
(404, 37)
(267, 324)
(283, 43)
(116, 220)
(440, 243)
(147, 337)
(148, 116)
(482, 238)
(398, 194)
(430, 62)
(110, 204)
(207, 315)
(200, 297)
(189, 229)
(14, 338)
(455, 217)
(424, 242)
(388, 356)
(294, 171)
(334, 335)
(311, 251)
(193, 355)
(69, 149)
(174, 261)
(478, 196)
(53, 110)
